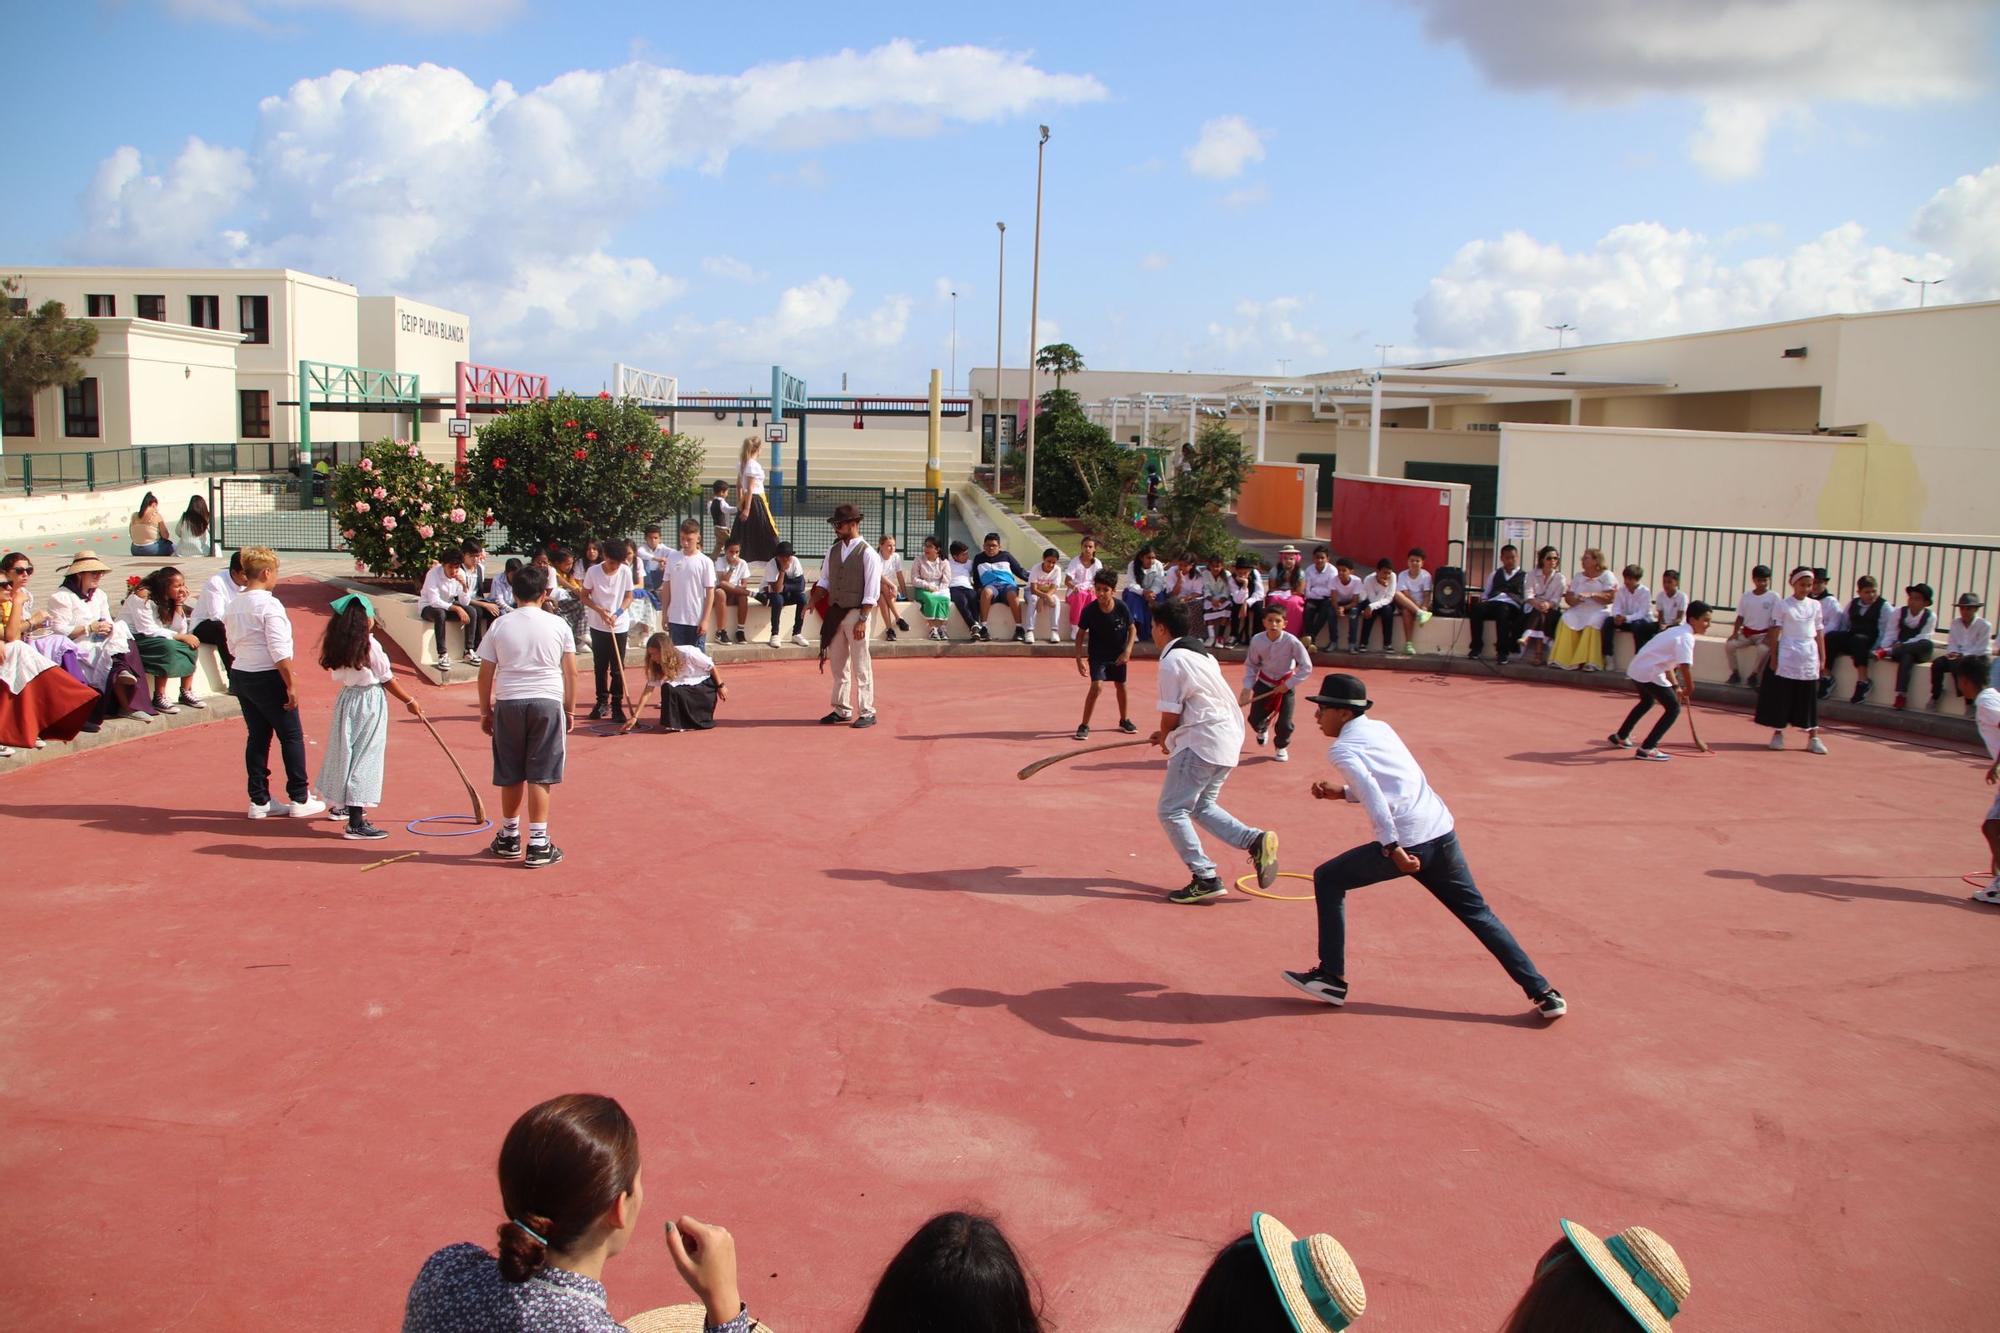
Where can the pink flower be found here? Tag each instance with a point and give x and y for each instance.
(590, 435)
(457, 516)
(347, 533)
(389, 523)
(380, 493)
(367, 465)
(360, 506)
(414, 451)
(425, 531)
(604, 397)
(360, 568)
(425, 506)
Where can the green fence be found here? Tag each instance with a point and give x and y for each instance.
(140, 465)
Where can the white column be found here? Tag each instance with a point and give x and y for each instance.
(1374, 425)
(1190, 434)
(1146, 420)
(1576, 409)
(1261, 413)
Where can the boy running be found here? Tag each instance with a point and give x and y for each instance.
(1274, 664)
(1413, 836)
(1105, 633)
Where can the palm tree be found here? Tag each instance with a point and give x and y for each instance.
(1059, 359)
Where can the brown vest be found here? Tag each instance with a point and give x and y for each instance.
(847, 583)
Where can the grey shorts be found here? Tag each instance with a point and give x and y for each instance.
(528, 742)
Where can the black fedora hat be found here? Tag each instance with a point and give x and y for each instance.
(844, 514)
(1340, 690)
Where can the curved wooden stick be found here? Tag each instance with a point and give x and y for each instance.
(478, 806)
(1041, 764)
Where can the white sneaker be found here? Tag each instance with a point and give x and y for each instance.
(6, 752)
(799, 641)
(472, 659)
(1282, 755)
(260, 811)
(1054, 637)
(1989, 894)
(1815, 746)
(773, 640)
(1777, 741)
(308, 808)
(1260, 737)
(442, 664)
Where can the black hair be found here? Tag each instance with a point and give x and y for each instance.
(719, 487)
(1673, 574)
(1696, 610)
(784, 551)
(528, 582)
(1138, 555)
(1235, 1295)
(1760, 571)
(1510, 547)
(1975, 667)
(7, 560)
(1321, 550)
(1567, 1295)
(958, 1272)
(236, 561)
(451, 555)
(1171, 616)
(960, 548)
(472, 546)
(989, 537)
(345, 644)
(1545, 552)
(614, 549)
(155, 585)
(195, 516)
(1383, 563)
(514, 562)
(147, 501)
(1345, 562)
(1418, 552)
(1106, 579)
(559, 553)
(1051, 551)
(1866, 581)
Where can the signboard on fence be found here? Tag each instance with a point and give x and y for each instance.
(1515, 531)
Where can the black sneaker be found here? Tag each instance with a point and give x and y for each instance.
(505, 845)
(835, 719)
(1754, 681)
(1316, 983)
(890, 636)
(865, 720)
(739, 636)
(981, 634)
(1551, 1005)
(363, 832)
(1861, 691)
(902, 624)
(1615, 739)
(618, 715)
(1126, 725)
(1198, 890)
(1735, 678)
(543, 853)
(599, 712)
(1264, 855)
(1020, 635)
(1082, 734)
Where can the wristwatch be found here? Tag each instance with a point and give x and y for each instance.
(1391, 848)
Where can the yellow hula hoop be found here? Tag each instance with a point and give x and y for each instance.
(1248, 883)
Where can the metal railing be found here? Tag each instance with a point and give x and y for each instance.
(1715, 563)
(138, 465)
(800, 515)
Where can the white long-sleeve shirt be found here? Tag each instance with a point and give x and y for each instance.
(1894, 619)
(258, 630)
(1271, 661)
(1320, 582)
(143, 618)
(1546, 587)
(1969, 640)
(1384, 779)
(871, 568)
(216, 595)
(444, 589)
(1632, 603)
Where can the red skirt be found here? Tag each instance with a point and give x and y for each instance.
(37, 699)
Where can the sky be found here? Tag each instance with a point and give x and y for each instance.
(1282, 190)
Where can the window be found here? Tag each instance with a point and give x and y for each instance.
(254, 406)
(80, 410)
(253, 316)
(153, 307)
(205, 312)
(19, 417)
(100, 307)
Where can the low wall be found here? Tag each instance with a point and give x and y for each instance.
(28, 518)
(1280, 498)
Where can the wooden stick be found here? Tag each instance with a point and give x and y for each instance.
(391, 861)
(478, 806)
(1041, 764)
(1693, 731)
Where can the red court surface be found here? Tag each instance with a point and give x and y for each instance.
(844, 980)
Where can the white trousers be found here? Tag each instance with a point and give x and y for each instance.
(850, 658)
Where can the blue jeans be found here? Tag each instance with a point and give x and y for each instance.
(1445, 874)
(1141, 613)
(160, 547)
(1187, 799)
(683, 636)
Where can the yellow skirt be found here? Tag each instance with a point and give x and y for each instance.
(1576, 647)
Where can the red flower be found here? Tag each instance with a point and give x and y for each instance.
(569, 425)
(590, 435)
(604, 397)
(488, 520)
(499, 463)
(647, 457)
(580, 455)
(534, 489)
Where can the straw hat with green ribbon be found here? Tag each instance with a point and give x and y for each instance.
(676, 1319)
(1642, 1271)
(1316, 1280)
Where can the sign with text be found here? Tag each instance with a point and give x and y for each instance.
(1515, 531)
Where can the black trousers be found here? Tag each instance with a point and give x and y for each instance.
(607, 656)
(1506, 618)
(1906, 655)
(1318, 616)
(475, 626)
(1856, 647)
(1385, 616)
(1260, 714)
(1641, 631)
(967, 602)
(262, 694)
(210, 633)
(1652, 692)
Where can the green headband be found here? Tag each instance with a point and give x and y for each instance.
(1317, 1295)
(1655, 1290)
(340, 604)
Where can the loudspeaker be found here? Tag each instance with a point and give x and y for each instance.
(1448, 592)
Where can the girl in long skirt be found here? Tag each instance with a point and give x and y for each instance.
(157, 615)
(37, 699)
(687, 684)
(1788, 694)
(351, 774)
(754, 526)
(80, 612)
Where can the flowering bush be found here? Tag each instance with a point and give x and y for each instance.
(387, 508)
(568, 468)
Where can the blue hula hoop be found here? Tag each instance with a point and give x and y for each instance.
(414, 826)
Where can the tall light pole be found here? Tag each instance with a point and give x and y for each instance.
(1383, 350)
(1923, 286)
(1559, 330)
(999, 354)
(1034, 318)
(954, 342)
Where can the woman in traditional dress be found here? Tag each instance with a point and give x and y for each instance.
(1580, 631)
(110, 660)
(157, 615)
(36, 698)
(1287, 588)
(17, 568)
(755, 528)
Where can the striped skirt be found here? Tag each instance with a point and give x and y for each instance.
(351, 773)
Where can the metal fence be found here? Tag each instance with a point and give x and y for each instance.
(1715, 563)
(100, 469)
(268, 511)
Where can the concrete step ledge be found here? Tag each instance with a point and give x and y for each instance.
(118, 731)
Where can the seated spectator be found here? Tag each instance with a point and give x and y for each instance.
(570, 1187)
(1286, 588)
(1971, 635)
(1246, 601)
(1586, 1285)
(1218, 601)
(895, 588)
(446, 596)
(1587, 605)
(1150, 578)
(930, 584)
(1350, 604)
(964, 592)
(1501, 603)
(1185, 582)
(684, 677)
(1670, 604)
(1858, 637)
(501, 591)
(1546, 586)
(1756, 613)
(1378, 606)
(1316, 582)
(1832, 619)
(157, 614)
(17, 570)
(1632, 612)
(37, 698)
(193, 534)
(732, 589)
(1269, 1281)
(80, 612)
(148, 528)
(959, 1273)
(1414, 583)
(785, 585)
(222, 588)
(472, 558)
(1000, 579)
(1906, 636)
(1044, 599)
(1080, 581)
(565, 585)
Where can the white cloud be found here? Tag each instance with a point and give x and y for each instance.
(1225, 146)
(362, 174)
(1154, 261)
(1749, 63)
(1249, 196)
(1645, 279)
(811, 331)
(1261, 332)
(809, 175)
(457, 15)
(727, 266)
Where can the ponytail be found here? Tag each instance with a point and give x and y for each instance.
(563, 1165)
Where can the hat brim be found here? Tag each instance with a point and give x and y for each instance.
(1274, 1243)
(675, 1319)
(1613, 1275)
(1328, 701)
(87, 567)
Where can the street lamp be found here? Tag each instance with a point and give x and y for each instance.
(1559, 330)
(1923, 286)
(1383, 349)
(1034, 318)
(999, 354)
(954, 342)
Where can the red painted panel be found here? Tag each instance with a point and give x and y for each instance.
(1372, 519)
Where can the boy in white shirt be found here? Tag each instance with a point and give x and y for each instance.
(1756, 613)
(1670, 603)
(527, 696)
(1414, 835)
(1664, 672)
(1350, 605)
(1045, 585)
(1971, 635)
(1974, 674)
(961, 587)
(1377, 606)
(895, 588)
(690, 585)
(1273, 669)
(1631, 610)
(1319, 577)
(732, 589)
(260, 638)
(1413, 585)
(607, 597)
(446, 595)
(222, 588)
